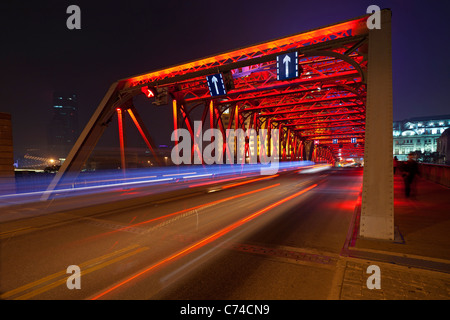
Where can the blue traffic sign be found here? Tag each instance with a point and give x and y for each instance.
(287, 66)
(216, 85)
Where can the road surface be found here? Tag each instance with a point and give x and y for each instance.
(272, 237)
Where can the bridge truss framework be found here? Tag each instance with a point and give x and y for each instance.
(343, 92)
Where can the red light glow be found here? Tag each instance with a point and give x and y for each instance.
(190, 209)
(148, 93)
(357, 26)
(249, 181)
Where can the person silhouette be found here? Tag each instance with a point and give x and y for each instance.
(395, 164)
(409, 171)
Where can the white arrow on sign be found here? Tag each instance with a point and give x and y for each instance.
(214, 80)
(286, 61)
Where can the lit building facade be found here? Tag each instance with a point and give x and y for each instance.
(443, 147)
(419, 134)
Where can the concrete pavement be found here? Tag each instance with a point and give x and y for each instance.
(416, 265)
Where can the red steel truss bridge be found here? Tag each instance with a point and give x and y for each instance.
(337, 105)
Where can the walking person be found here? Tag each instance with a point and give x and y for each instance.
(409, 170)
(395, 164)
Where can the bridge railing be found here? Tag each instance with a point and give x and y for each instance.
(435, 172)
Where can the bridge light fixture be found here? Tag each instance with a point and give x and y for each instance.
(149, 92)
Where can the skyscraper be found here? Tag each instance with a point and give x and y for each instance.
(63, 127)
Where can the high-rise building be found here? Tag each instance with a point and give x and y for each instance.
(63, 128)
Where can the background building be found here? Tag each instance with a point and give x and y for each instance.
(7, 184)
(420, 135)
(443, 147)
(63, 128)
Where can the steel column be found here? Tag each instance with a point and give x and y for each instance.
(185, 116)
(377, 207)
(143, 131)
(121, 139)
(175, 124)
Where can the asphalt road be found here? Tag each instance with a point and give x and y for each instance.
(272, 238)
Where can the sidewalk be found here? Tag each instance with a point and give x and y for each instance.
(416, 265)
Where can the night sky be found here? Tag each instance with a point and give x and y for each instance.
(119, 39)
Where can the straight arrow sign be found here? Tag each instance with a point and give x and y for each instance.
(287, 66)
(216, 85)
(214, 80)
(286, 61)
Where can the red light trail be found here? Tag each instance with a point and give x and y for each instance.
(202, 242)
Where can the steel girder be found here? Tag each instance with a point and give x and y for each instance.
(319, 93)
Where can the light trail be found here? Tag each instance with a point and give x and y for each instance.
(199, 175)
(169, 178)
(193, 208)
(249, 181)
(178, 174)
(314, 168)
(202, 242)
(215, 181)
(84, 188)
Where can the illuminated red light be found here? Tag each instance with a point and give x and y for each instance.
(338, 30)
(148, 92)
